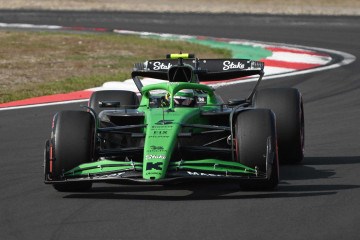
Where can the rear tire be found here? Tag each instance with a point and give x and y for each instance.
(287, 105)
(71, 145)
(253, 129)
(126, 98)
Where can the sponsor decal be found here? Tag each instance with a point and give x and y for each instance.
(151, 156)
(256, 64)
(201, 99)
(162, 127)
(156, 147)
(159, 136)
(112, 175)
(204, 174)
(160, 132)
(231, 65)
(161, 66)
(164, 122)
(153, 173)
(153, 166)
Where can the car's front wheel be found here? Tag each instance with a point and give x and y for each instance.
(71, 144)
(256, 146)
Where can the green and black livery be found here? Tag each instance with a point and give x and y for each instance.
(178, 130)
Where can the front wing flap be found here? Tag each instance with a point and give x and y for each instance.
(131, 172)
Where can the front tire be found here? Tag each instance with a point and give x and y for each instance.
(71, 145)
(255, 129)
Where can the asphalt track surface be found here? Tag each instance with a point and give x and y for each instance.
(318, 199)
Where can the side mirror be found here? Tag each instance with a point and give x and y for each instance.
(109, 104)
(235, 102)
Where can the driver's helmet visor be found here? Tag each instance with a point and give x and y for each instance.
(183, 101)
(184, 97)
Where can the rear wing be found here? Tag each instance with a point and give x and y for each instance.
(181, 68)
(205, 69)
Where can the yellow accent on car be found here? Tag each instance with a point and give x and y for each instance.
(180, 55)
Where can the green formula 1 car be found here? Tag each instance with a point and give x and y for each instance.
(179, 130)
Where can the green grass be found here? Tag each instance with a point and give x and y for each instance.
(42, 63)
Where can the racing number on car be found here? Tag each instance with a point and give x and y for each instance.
(154, 166)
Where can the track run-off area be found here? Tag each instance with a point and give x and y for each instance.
(317, 199)
(280, 60)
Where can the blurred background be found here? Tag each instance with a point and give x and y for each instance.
(323, 7)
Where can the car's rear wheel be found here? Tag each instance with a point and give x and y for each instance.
(287, 105)
(71, 145)
(255, 141)
(126, 99)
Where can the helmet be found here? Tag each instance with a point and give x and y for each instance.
(184, 98)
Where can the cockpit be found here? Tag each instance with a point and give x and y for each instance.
(183, 98)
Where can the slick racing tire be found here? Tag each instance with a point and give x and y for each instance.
(254, 130)
(287, 105)
(71, 145)
(126, 98)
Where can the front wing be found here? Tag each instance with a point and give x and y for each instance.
(129, 172)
